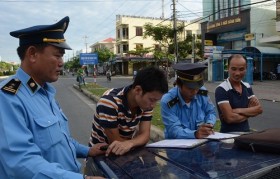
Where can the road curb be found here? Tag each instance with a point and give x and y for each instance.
(87, 93)
(156, 133)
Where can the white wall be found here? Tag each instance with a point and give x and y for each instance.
(263, 23)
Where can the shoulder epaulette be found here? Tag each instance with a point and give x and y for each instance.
(172, 102)
(32, 85)
(12, 86)
(202, 92)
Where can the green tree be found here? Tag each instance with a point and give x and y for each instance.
(73, 64)
(104, 55)
(7, 68)
(140, 51)
(198, 46)
(164, 36)
(185, 47)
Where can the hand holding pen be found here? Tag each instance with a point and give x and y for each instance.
(204, 130)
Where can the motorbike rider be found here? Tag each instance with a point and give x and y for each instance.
(108, 75)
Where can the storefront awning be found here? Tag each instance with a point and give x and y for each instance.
(262, 50)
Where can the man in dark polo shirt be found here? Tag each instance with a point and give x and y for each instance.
(123, 116)
(235, 99)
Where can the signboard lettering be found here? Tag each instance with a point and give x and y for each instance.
(88, 58)
(223, 23)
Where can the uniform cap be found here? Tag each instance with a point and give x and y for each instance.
(191, 74)
(51, 34)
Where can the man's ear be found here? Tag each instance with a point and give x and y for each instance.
(138, 89)
(31, 53)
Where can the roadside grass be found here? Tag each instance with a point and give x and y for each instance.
(95, 89)
(98, 90)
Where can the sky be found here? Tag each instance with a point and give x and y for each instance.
(91, 21)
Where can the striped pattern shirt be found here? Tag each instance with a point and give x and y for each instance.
(112, 112)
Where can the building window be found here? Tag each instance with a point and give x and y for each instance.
(216, 10)
(125, 48)
(119, 34)
(237, 6)
(189, 32)
(139, 31)
(119, 49)
(225, 8)
(125, 32)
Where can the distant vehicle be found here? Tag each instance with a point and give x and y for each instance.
(214, 159)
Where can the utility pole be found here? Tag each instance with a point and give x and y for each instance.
(85, 37)
(193, 48)
(162, 7)
(175, 32)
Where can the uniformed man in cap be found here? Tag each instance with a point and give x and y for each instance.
(35, 139)
(187, 110)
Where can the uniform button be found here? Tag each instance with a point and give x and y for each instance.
(49, 121)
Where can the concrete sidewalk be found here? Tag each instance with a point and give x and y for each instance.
(265, 90)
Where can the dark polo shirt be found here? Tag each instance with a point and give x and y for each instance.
(226, 94)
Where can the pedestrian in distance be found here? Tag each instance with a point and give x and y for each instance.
(235, 99)
(108, 75)
(134, 74)
(85, 70)
(81, 76)
(187, 111)
(35, 137)
(123, 115)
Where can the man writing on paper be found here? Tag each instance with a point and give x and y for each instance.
(187, 110)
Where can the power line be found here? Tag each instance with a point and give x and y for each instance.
(63, 1)
(250, 4)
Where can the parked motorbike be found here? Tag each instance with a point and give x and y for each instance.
(272, 76)
(266, 76)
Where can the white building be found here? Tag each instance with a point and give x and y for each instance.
(130, 30)
(109, 43)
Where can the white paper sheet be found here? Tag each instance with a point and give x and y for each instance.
(177, 143)
(219, 136)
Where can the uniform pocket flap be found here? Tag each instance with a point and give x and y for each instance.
(45, 121)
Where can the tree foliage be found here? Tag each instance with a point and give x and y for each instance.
(104, 54)
(139, 51)
(164, 36)
(7, 68)
(185, 47)
(73, 63)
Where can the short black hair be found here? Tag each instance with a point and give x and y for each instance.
(21, 50)
(151, 79)
(236, 56)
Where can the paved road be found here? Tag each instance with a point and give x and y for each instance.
(78, 108)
